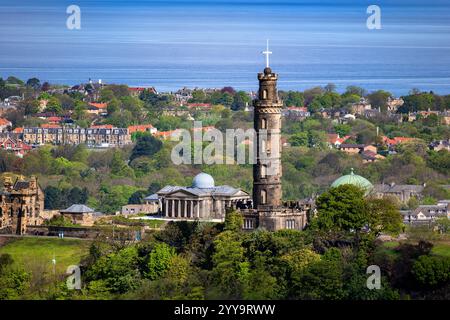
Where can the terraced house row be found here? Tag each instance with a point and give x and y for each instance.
(93, 137)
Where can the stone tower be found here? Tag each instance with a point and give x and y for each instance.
(267, 190)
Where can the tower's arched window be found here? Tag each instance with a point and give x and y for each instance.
(264, 94)
(263, 171)
(263, 123)
(263, 196)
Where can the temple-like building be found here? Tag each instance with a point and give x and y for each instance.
(21, 204)
(203, 200)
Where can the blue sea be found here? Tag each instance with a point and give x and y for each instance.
(173, 44)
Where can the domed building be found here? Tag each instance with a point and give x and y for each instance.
(202, 200)
(355, 180)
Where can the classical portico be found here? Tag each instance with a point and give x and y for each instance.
(203, 200)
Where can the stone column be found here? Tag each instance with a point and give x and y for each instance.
(172, 209)
(166, 208)
(198, 208)
(185, 213)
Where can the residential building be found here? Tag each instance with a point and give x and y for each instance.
(142, 128)
(426, 213)
(15, 146)
(93, 137)
(440, 145)
(403, 192)
(5, 124)
(97, 108)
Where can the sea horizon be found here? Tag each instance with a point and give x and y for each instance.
(213, 44)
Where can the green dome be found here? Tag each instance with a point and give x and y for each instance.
(355, 180)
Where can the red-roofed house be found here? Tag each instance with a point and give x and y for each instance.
(335, 140)
(97, 108)
(164, 134)
(18, 130)
(4, 124)
(136, 91)
(396, 140)
(18, 147)
(54, 119)
(142, 128)
(50, 126)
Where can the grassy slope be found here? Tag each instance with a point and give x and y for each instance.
(440, 248)
(29, 252)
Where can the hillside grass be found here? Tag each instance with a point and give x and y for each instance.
(440, 248)
(32, 252)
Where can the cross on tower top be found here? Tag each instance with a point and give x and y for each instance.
(267, 53)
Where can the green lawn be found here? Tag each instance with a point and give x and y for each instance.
(39, 252)
(439, 248)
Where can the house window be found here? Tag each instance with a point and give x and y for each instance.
(263, 196)
(290, 224)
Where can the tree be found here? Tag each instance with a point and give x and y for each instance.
(431, 271)
(321, 280)
(342, 129)
(341, 208)
(52, 198)
(294, 98)
(45, 86)
(14, 80)
(146, 146)
(299, 139)
(330, 87)
(355, 90)
(159, 260)
(234, 221)
(118, 272)
(231, 269)
(383, 216)
(378, 99)
(240, 100)
(137, 197)
(34, 83)
(54, 105)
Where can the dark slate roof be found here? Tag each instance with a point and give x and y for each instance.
(431, 210)
(215, 191)
(19, 185)
(78, 208)
(152, 197)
